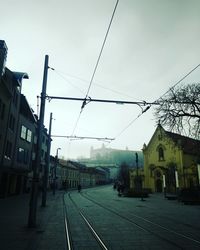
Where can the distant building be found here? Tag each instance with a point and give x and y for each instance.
(105, 155)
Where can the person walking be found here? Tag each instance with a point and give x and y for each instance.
(79, 188)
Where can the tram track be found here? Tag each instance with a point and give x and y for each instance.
(97, 236)
(69, 242)
(69, 238)
(139, 225)
(167, 218)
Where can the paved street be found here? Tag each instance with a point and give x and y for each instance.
(49, 233)
(121, 222)
(129, 223)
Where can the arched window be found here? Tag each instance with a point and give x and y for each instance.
(161, 154)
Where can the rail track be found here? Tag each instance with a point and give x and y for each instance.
(69, 238)
(158, 231)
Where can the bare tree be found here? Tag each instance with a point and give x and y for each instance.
(179, 110)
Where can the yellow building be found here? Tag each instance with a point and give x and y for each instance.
(170, 161)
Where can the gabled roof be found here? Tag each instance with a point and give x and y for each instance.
(25, 109)
(189, 145)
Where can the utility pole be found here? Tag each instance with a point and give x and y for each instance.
(46, 170)
(136, 161)
(35, 181)
(55, 167)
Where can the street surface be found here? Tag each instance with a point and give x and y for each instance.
(71, 219)
(129, 223)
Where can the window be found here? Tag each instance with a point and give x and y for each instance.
(8, 150)
(42, 154)
(29, 135)
(12, 122)
(20, 155)
(15, 97)
(26, 134)
(23, 156)
(23, 132)
(2, 111)
(26, 156)
(161, 154)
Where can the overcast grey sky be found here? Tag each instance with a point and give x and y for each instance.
(151, 45)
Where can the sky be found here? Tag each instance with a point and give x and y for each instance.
(150, 46)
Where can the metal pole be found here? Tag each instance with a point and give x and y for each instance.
(177, 182)
(46, 170)
(164, 185)
(35, 182)
(136, 160)
(198, 170)
(55, 167)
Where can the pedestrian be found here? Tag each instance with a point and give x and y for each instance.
(119, 189)
(79, 188)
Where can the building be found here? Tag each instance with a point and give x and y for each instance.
(170, 161)
(10, 85)
(18, 133)
(105, 155)
(24, 148)
(70, 175)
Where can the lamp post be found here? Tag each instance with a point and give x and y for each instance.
(56, 162)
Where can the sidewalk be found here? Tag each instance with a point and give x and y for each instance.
(49, 233)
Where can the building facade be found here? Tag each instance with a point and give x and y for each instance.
(170, 162)
(10, 85)
(18, 132)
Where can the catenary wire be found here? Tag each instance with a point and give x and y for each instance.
(95, 68)
(97, 63)
(178, 82)
(69, 82)
(65, 75)
(148, 107)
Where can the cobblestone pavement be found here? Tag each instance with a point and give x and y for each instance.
(49, 233)
(158, 222)
(130, 223)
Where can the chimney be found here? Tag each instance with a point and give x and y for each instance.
(3, 56)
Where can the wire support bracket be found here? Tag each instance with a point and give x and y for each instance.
(89, 99)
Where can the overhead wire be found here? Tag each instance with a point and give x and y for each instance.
(102, 47)
(65, 75)
(96, 65)
(179, 81)
(95, 68)
(148, 107)
(69, 82)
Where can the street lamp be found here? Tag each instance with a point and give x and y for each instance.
(55, 166)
